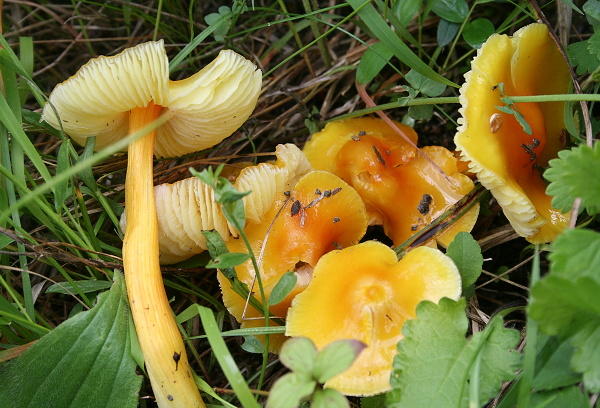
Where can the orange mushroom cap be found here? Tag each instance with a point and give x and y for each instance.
(401, 188)
(506, 158)
(320, 214)
(364, 293)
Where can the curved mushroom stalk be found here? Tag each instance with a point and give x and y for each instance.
(364, 293)
(321, 213)
(404, 191)
(506, 158)
(113, 97)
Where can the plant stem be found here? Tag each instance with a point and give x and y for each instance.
(160, 340)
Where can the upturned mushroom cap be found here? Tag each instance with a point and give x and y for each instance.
(506, 159)
(187, 207)
(402, 190)
(364, 293)
(320, 214)
(207, 107)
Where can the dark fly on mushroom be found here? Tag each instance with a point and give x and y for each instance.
(423, 206)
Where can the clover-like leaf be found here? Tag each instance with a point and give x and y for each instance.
(335, 358)
(289, 390)
(466, 254)
(299, 355)
(572, 175)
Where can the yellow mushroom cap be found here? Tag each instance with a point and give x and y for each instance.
(401, 188)
(504, 156)
(207, 107)
(364, 293)
(329, 214)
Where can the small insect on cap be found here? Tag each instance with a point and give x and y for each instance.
(364, 293)
(207, 107)
(508, 143)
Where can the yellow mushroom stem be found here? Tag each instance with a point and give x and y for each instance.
(160, 340)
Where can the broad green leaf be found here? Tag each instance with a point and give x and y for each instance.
(217, 247)
(372, 62)
(446, 32)
(376, 401)
(466, 254)
(328, 398)
(434, 363)
(335, 358)
(84, 362)
(454, 11)
(289, 390)
(576, 254)
(282, 288)
(477, 31)
(252, 345)
(570, 309)
(423, 84)
(570, 397)
(420, 112)
(406, 10)
(85, 286)
(591, 8)
(299, 355)
(594, 44)
(378, 26)
(554, 368)
(571, 176)
(228, 260)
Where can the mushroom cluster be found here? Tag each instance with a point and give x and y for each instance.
(404, 188)
(124, 95)
(506, 155)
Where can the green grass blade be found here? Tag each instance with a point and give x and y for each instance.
(384, 33)
(225, 359)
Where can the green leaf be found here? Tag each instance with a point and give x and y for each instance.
(421, 112)
(477, 31)
(555, 365)
(406, 10)
(335, 358)
(253, 345)
(62, 189)
(566, 304)
(446, 32)
(282, 288)
(570, 397)
(328, 398)
(228, 260)
(299, 355)
(455, 11)
(582, 58)
(376, 401)
(85, 286)
(372, 62)
(434, 364)
(573, 175)
(423, 84)
(84, 362)
(221, 29)
(466, 254)
(289, 390)
(378, 26)
(594, 44)
(591, 8)
(217, 247)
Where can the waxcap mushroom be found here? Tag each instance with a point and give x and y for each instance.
(188, 206)
(506, 159)
(317, 215)
(207, 107)
(403, 190)
(113, 97)
(364, 293)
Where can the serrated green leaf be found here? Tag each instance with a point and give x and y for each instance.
(570, 309)
(84, 362)
(591, 8)
(594, 44)
(282, 288)
(582, 58)
(372, 62)
(376, 401)
(576, 254)
(299, 355)
(454, 11)
(289, 390)
(228, 260)
(335, 358)
(466, 254)
(328, 398)
(434, 360)
(85, 286)
(572, 176)
(477, 31)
